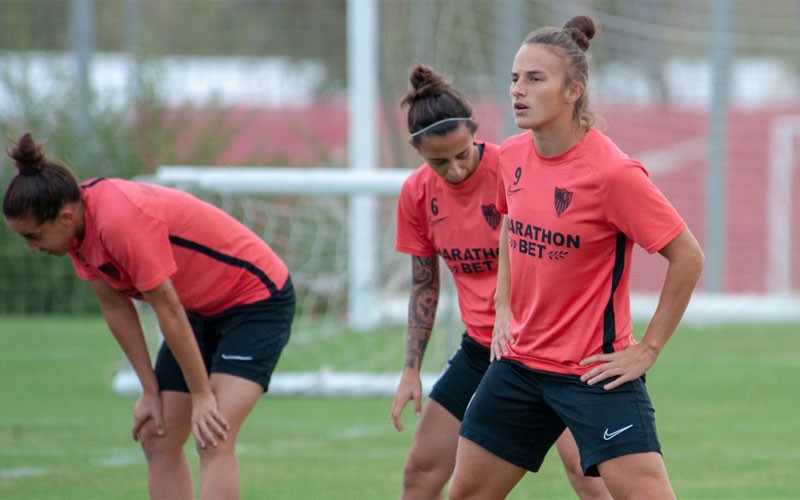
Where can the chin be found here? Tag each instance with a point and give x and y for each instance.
(522, 123)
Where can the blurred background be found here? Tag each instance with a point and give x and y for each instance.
(706, 93)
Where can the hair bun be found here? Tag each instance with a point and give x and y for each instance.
(28, 156)
(581, 29)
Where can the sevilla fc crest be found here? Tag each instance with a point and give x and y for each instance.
(562, 199)
(492, 215)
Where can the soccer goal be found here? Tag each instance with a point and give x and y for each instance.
(335, 229)
(348, 336)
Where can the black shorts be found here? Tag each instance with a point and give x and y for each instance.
(245, 341)
(518, 413)
(461, 377)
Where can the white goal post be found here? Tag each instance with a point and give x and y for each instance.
(389, 307)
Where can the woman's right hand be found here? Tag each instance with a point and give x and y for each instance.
(501, 333)
(409, 389)
(148, 407)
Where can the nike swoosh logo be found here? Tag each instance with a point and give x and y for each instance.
(611, 435)
(433, 222)
(510, 192)
(237, 358)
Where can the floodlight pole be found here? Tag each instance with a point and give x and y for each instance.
(362, 84)
(718, 126)
(81, 19)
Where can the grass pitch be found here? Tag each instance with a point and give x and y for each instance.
(725, 395)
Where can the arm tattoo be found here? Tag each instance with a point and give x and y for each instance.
(421, 307)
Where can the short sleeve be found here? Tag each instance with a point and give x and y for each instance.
(637, 208)
(139, 242)
(412, 235)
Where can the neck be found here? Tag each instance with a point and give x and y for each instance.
(80, 220)
(554, 141)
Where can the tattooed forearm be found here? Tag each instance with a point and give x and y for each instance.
(421, 307)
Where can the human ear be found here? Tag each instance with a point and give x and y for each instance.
(574, 92)
(66, 216)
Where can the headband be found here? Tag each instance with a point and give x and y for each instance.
(446, 120)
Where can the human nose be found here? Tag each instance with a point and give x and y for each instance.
(515, 89)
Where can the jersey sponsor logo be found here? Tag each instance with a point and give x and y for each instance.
(541, 242)
(562, 199)
(608, 436)
(512, 191)
(109, 270)
(433, 221)
(474, 260)
(492, 215)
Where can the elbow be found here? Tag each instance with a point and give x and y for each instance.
(699, 259)
(695, 262)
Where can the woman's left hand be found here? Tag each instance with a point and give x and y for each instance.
(627, 364)
(208, 424)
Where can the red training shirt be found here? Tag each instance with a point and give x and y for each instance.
(572, 222)
(137, 235)
(460, 223)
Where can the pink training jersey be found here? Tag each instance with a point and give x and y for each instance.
(138, 235)
(460, 223)
(572, 221)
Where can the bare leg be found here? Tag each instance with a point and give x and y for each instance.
(641, 475)
(432, 456)
(587, 488)
(219, 469)
(482, 475)
(168, 472)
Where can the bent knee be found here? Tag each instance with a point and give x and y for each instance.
(153, 443)
(224, 448)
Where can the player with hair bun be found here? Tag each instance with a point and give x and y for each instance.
(563, 351)
(224, 302)
(447, 208)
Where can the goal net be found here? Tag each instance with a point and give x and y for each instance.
(341, 344)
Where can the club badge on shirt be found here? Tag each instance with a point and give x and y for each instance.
(562, 199)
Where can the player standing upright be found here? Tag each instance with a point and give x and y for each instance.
(563, 346)
(447, 209)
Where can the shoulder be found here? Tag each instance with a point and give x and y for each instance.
(522, 140)
(419, 178)
(608, 160)
(490, 148)
(116, 205)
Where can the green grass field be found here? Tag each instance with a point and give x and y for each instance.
(727, 403)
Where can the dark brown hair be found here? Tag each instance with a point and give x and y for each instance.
(572, 42)
(41, 188)
(431, 100)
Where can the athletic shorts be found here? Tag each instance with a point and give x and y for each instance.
(461, 377)
(245, 341)
(518, 413)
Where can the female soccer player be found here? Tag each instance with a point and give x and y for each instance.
(447, 208)
(573, 206)
(223, 299)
